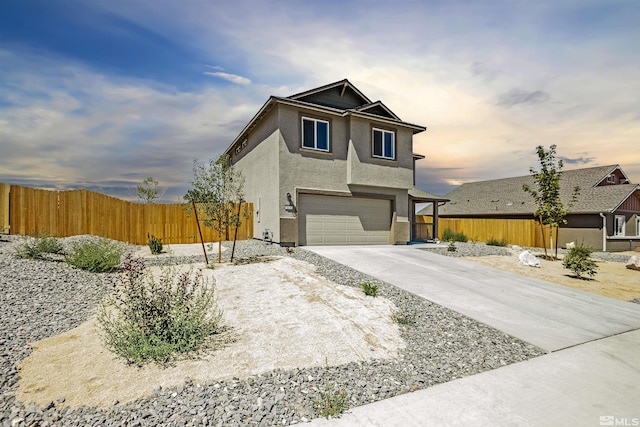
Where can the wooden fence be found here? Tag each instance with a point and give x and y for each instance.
(523, 232)
(74, 212)
(4, 208)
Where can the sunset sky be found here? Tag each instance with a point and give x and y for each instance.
(101, 94)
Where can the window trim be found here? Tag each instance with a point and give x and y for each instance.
(315, 134)
(393, 145)
(615, 227)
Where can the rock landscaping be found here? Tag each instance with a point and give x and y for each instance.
(43, 298)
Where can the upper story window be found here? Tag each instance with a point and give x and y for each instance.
(315, 134)
(383, 144)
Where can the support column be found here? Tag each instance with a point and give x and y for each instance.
(435, 220)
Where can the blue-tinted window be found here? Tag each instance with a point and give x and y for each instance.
(384, 144)
(322, 135)
(315, 134)
(308, 133)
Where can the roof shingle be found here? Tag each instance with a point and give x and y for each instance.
(506, 197)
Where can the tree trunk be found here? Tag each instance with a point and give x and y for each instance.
(557, 238)
(544, 243)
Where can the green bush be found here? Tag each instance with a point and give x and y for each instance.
(148, 319)
(331, 402)
(99, 256)
(403, 318)
(155, 244)
(369, 289)
(449, 235)
(496, 242)
(578, 259)
(37, 246)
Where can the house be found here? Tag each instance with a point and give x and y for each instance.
(328, 166)
(605, 216)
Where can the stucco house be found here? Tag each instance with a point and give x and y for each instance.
(328, 166)
(606, 214)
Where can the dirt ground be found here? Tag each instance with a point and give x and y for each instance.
(612, 278)
(323, 323)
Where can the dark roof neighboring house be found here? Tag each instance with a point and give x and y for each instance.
(506, 197)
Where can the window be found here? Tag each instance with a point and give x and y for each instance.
(315, 134)
(611, 179)
(384, 144)
(637, 225)
(618, 225)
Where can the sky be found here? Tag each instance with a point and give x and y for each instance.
(101, 94)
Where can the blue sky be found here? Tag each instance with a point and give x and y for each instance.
(102, 94)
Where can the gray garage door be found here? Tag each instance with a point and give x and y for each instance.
(332, 220)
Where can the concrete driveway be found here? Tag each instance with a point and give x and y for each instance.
(547, 315)
(591, 377)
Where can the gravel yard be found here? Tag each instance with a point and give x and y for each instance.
(42, 299)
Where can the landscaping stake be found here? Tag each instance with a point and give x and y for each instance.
(235, 234)
(195, 211)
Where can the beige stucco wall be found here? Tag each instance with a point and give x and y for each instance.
(274, 164)
(258, 163)
(363, 168)
(342, 170)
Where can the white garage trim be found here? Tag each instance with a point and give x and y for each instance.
(334, 220)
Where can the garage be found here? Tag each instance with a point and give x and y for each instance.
(334, 220)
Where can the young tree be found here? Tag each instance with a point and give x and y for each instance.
(148, 192)
(217, 187)
(550, 210)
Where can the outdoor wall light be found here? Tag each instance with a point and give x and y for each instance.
(289, 207)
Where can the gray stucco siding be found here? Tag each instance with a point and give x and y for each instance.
(259, 167)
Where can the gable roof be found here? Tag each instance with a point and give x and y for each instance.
(353, 98)
(506, 197)
(341, 98)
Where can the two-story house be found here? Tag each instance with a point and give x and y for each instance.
(329, 167)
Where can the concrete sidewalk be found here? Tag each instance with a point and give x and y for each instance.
(572, 387)
(590, 378)
(547, 315)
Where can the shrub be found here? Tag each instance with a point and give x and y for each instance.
(99, 256)
(369, 289)
(403, 318)
(331, 402)
(35, 247)
(578, 259)
(148, 319)
(449, 235)
(496, 242)
(155, 244)
(452, 246)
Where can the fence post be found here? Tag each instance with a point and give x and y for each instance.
(5, 226)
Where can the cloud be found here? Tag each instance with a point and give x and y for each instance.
(518, 96)
(233, 78)
(577, 160)
(129, 129)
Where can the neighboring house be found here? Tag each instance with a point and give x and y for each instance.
(606, 214)
(329, 167)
